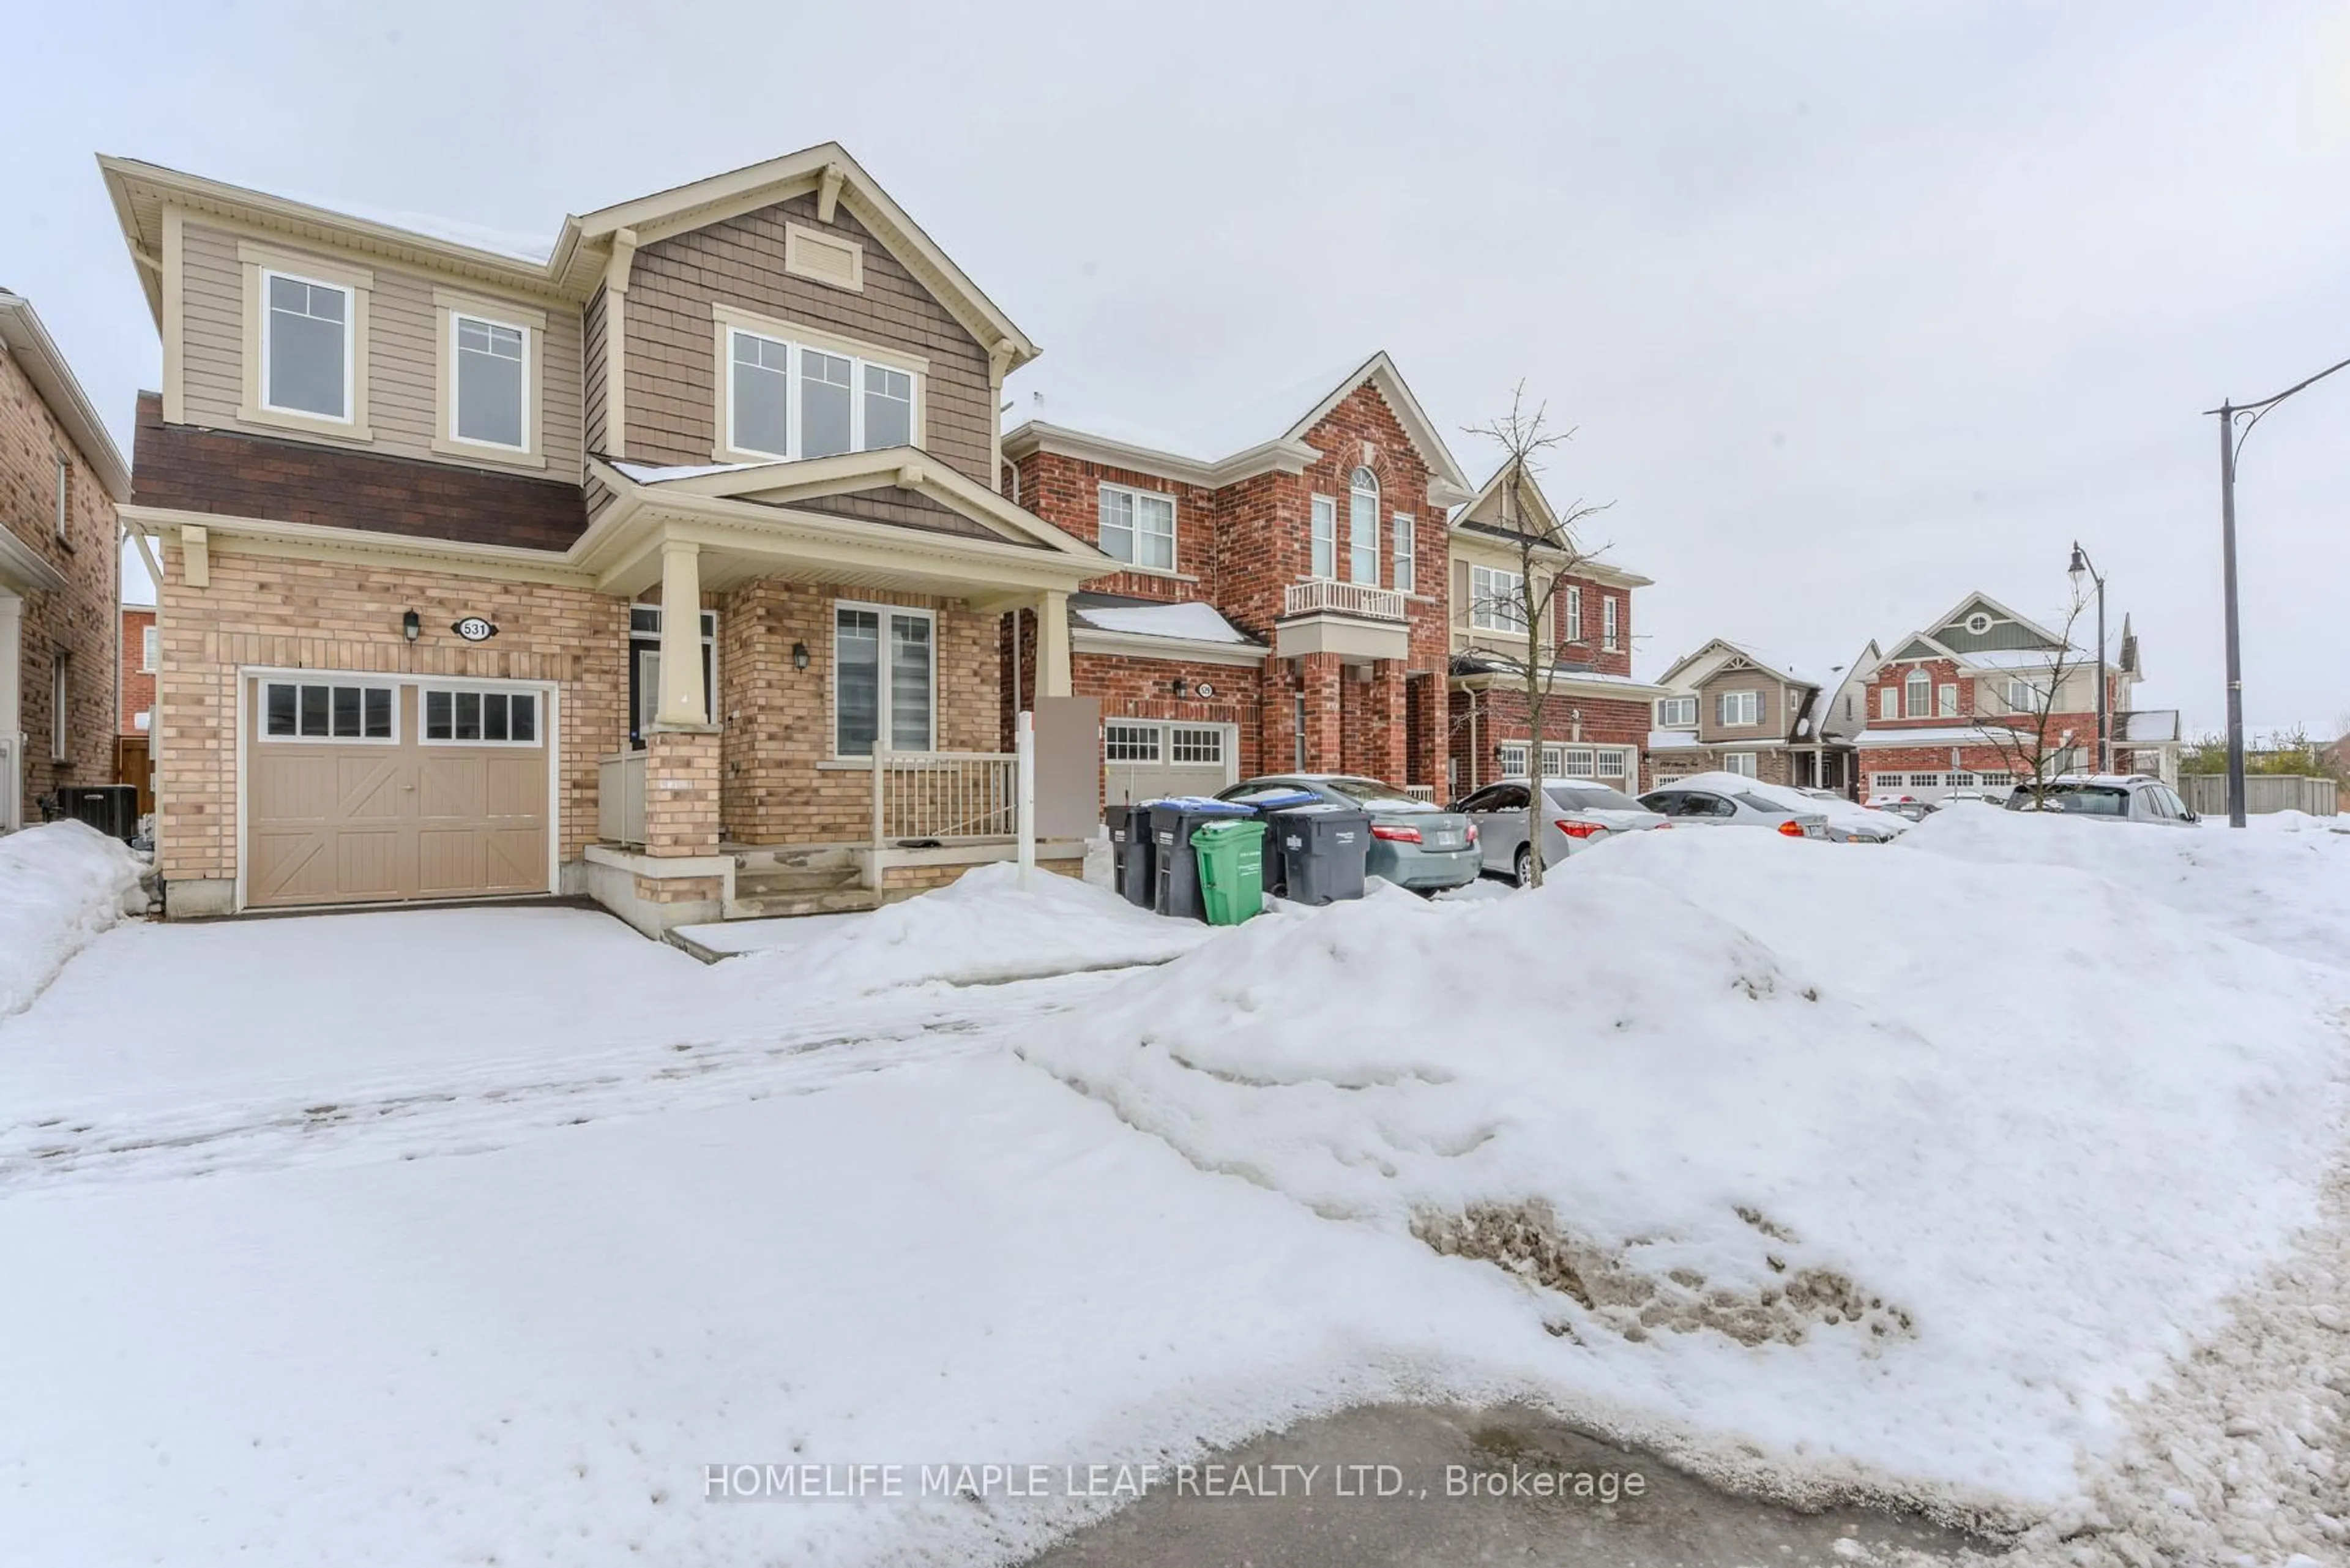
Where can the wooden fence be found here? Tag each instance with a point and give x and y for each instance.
(2207, 794)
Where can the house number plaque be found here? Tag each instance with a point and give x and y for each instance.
(474, 628)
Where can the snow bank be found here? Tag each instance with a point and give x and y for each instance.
(1899, 1165)
(2283, 889)
(60, 885)
(981, 930)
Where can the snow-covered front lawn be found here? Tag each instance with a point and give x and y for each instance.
(461, 1235)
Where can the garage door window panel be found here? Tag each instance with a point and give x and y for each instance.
(318, 710)
(475, 717)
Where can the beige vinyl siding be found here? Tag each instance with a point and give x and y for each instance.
(1771, 708)
(672, 393)
(402, 344)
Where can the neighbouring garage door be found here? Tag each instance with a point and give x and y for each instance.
(1143, 759)
(361, 790)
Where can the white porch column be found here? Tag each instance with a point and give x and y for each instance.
(1052, 644)
(682, 699)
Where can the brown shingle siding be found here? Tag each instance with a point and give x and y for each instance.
(190, 469)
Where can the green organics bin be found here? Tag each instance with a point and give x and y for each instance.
(1232, 869)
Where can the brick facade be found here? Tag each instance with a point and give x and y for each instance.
(1482, 719)
(136, 683)
(78, 624)
(682, 792)
(781, 782)
(1240, 547)
(275, 612)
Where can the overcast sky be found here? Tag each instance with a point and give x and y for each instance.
(1854, 308)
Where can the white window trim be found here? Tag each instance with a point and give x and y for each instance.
(329, 678)
(881, 713)
(60, 707)
(1483, 615)
(1574, 612)
(1667, 708)
(1356, 549)
(796, 338)
(1404, 573)
(1888, 702)
(1917, 680)
(1730, 762)
(1946, 701)
(1747, 698)
(150, 648)
(424, 737)
(1321, 509)
(1608, 636)
(1132, 729)
(349, 418)
(64, 499)
(1174, 526)
(452, 307)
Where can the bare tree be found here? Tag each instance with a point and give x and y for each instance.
(1548, 551)
(2034, 736)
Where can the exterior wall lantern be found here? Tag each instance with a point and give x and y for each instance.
(411, 625)
(800, 657)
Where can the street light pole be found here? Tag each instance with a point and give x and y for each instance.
(2231, 442)
(2081, 564)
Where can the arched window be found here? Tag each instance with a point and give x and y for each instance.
(1917, 694)
(1363, 526)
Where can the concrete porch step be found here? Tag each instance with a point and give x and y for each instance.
(757, 882)
(759, 859)
(826, 901)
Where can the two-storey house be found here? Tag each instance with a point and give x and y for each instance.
(1279, 601)
(1730, 706)
(61, 476)
(665, 563)
(1960, 705)
(1594, 714)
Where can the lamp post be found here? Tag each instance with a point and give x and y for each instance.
(2231, 442)
(2080, 568)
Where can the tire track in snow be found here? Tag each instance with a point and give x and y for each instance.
(493, 1105)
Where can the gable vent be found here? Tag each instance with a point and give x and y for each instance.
(823, 259)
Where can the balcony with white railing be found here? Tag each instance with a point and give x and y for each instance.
(1329, 596)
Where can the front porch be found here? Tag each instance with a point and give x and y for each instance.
(827, 733)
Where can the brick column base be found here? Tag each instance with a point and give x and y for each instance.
(681, 791)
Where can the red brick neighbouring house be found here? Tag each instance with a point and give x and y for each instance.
(61, 477)
(1283, 602)
(1596, 716)
(136, 702)
(1959, 706)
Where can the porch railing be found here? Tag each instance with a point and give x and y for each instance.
(620, 798)
(1331, 596)
(943, 796)
(1421, 792)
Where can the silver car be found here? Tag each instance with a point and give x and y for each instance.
(1578, 815)
(1733, 808)
(2107, 797)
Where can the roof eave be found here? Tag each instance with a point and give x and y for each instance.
(24, 337)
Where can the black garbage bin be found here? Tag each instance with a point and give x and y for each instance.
(112, 809)
(1177, 888)
(1131, 846)
(1321, 849)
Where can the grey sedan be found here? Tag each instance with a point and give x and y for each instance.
(1733, 808)
(1579, 814)
(1415, 844)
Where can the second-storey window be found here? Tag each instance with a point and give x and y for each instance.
(883, 678)
(1917, 695)
(787, 400)
(1675, 711)
(1406, 555)
(490, 390)
(305, 347)
(1734, 709)
(151, 644)
(1138, 527)
(1363, 528)
(64, 498)
(1574, 612)
(1946, 701)
(1326, 537)
(1888, 703)
(1608, 635)
(1497, 599)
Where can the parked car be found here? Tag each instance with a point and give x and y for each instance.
(1578, 813)
(1704, 802)
(1415, 844)
(1908, 805)
(2107, 797)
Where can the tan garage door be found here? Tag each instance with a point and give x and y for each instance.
(360, 791)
